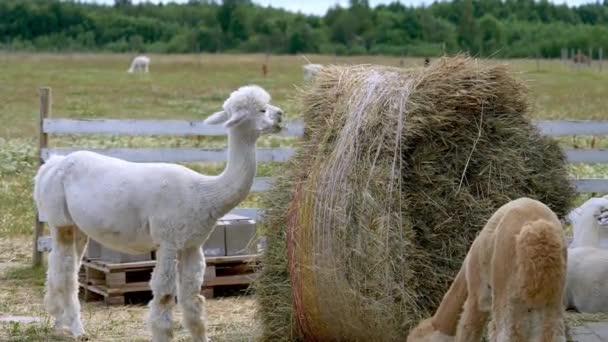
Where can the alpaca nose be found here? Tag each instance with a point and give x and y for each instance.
(279, 116)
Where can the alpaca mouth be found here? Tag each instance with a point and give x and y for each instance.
(603, 218)
(276, 128)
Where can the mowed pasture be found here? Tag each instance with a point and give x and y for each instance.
(189, 87)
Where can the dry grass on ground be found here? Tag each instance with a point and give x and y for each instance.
(21, 293)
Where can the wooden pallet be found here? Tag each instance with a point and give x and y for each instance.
(111, 282)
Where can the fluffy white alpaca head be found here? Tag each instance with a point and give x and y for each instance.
(596, 207)
(311, 70)
(249, 107)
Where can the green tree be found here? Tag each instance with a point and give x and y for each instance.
(509, 28)
(122, 3)
(466, 28)
(136, 43)
(490, 35)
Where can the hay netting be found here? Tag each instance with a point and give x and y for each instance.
(397, 172)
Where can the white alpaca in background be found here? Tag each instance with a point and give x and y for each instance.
(311, 70)
(139, 63)
(136, 208)
(587, 281)
(585, 226)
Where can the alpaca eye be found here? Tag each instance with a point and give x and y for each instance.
(262, 110)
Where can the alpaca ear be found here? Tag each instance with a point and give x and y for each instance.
(216, 118)
(236, 119)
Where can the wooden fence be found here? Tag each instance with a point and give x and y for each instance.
(50, 125)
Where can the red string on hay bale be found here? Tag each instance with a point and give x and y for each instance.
(293, 232)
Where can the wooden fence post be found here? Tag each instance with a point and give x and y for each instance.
(590, 60)
(45, 112)
(198, 55)
(600, 54)
(572, 55)
(572, 63)
(265, 65)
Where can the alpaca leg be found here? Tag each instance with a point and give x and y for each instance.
(472, 321)
(515, 323)
(61, 298)
(82, 241)
(191, 269)
(163, 290)
(73, 317)
(477, 305)
(553, 325)
(53, 299)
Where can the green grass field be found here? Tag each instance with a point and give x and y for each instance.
(186, 86)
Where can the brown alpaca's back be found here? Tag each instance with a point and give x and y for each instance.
(514, 272)
(528, 273)
(541, 260)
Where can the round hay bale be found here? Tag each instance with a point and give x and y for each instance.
(397, 172)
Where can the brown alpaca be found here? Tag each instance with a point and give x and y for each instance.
(515, 270)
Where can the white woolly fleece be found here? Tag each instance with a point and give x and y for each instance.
(246, 97)
(138, 207)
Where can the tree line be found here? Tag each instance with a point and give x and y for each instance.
(502, 28)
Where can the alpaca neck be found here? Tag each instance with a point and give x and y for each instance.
(233, 185)
(445, 319)
(586, 232)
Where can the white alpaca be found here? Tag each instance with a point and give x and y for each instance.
(585, 225)
(587, 281)
(136, 208)
(311, 70)
(139, 63)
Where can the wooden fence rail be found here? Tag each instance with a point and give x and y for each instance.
(264, 155)
(146, 127)
(293, 129)
(572, 127)
(174, 155)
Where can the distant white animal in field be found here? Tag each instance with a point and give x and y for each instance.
(587, 281)
(136, 208)
(139, 64)
(514, 275)
(311, 70)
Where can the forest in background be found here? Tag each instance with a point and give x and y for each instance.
(500, 28)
